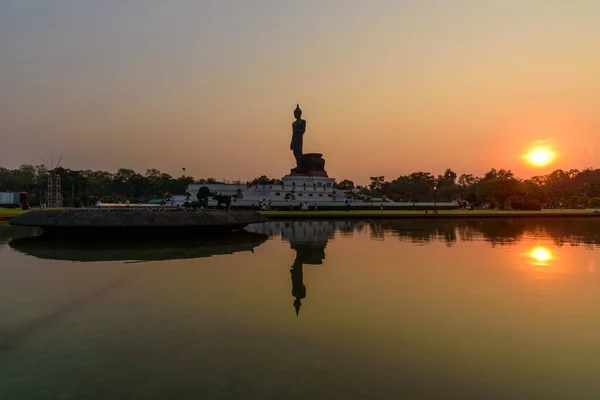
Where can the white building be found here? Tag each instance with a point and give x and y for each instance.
(295, 189)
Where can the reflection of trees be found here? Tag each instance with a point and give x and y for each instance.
(347, 228)
(417, 230)
(507, 231)
(576, 231)
(496, 231)
(8, 232)
(377, 231)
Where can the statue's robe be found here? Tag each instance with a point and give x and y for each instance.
(298, 129)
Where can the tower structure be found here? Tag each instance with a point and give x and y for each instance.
(53, 194)
(54, 197)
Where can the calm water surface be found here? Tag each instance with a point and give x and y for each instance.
(409, 309)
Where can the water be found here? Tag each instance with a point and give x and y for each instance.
(316, 310)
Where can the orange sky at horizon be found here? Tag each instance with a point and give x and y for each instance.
(387, 88)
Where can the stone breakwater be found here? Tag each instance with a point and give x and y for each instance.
(137, 218)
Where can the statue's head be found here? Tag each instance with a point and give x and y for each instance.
(297, 112)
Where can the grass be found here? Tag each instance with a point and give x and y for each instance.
(445, 212)
(421, 214)
(11, 211)
(17, 211)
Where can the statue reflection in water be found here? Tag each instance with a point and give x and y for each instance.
(307, 252)
(298, 288)
(308, 239)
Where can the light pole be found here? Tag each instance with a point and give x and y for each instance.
(435, 199)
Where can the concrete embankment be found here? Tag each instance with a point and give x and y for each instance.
(142, 220)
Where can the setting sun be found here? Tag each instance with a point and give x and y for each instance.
(540, 156)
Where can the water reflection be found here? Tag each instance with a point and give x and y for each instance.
(8, 232)
(53, 248)
(430, 309)
(540, 256)
(298, 288)
(572, 231)
(311, 253)
(309, 239)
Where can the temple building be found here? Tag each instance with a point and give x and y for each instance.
(307, 182)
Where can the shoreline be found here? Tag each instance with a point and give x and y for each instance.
(299, 215)
(389, 214)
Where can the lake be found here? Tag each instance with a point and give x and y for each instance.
(405, 309)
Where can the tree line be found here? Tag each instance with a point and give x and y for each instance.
(85, 187)
(572, 188)
(498, 187)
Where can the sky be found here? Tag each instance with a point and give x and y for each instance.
(387, 87)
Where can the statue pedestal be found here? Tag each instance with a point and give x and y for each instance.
(313, 164)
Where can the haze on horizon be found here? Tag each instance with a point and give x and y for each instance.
(387, 87)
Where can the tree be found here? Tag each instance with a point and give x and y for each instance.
(573, 187)
(503, 173)
(345, 185)
(449, 177)
(466, 180)
(376, 183)
(124, 181)
(578, 201)
(467, 187)
(502, 189)
(421, 185)
(594, 202)
(203, 194)
(363, 190)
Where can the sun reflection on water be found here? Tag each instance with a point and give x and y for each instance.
(540, 255)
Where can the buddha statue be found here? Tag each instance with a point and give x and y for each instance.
(298, 129)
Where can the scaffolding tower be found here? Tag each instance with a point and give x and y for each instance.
(54, 198)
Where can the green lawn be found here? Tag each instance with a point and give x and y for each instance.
(11, 211)
(17, 211)
(410, 212)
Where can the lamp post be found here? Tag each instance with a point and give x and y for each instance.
(435, 199)
(185, 179)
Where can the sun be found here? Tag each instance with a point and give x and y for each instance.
(540, 156)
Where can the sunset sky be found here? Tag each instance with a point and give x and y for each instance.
(387, 87)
